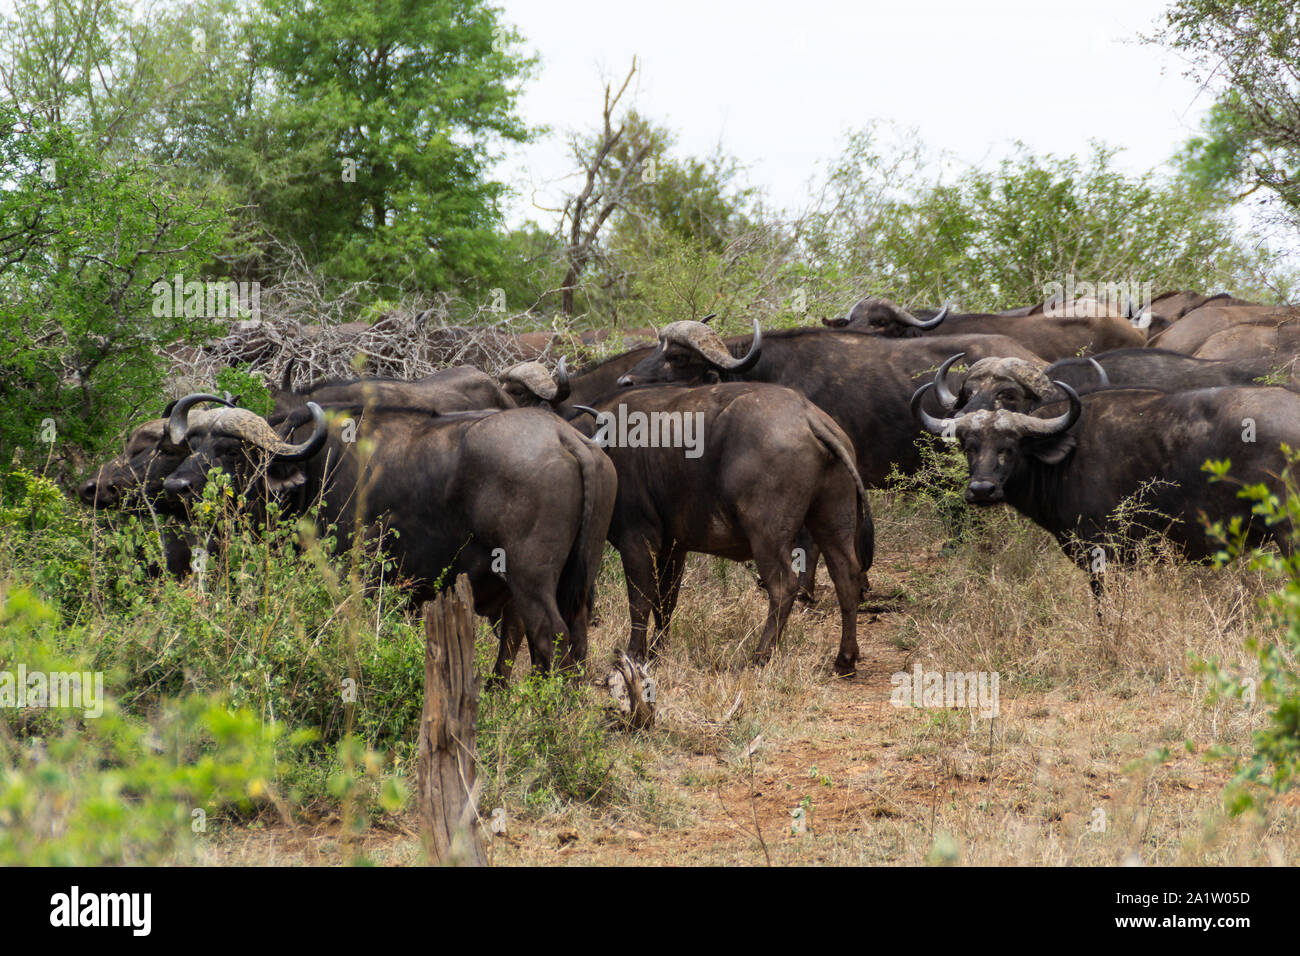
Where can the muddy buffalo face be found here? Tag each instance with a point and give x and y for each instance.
(996, 442)
(138, 470)
(690, 353)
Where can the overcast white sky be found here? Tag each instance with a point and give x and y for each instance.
(779, 83)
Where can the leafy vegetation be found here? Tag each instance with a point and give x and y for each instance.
(1273, 766)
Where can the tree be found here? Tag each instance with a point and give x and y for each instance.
(1250, 50)
(119, 76)
(372, 153)
(992, 239)
(607, 185)
(82, 243)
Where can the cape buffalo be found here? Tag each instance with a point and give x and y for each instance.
(1019, 386)
(1276, 341)
(136, 475)
(751, 466)
(531, 383)
(457, 389)
(1046, 335)
(1191, 331)
(133, 482)
(864, 382)
(516, 499)
(1165, 370)
(1070, 468)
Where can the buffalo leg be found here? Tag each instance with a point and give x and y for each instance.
(808, 576)
(533, 596)
(640, 573)
(176, 550)
(668, 588)
(777, 571)
(575, 648)
(509, 629)
(846, 573)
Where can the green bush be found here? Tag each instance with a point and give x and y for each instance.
(938, 487)
(543, 742)
(82, 789)
(1273, 767)
(274, 619)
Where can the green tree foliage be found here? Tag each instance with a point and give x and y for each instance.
(372, 151)
(700, 201)
(1248, 50)
(684, 238)
(130, 79)
(82, 241)
(993, 239)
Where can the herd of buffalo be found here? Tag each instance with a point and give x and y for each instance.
(759, 447)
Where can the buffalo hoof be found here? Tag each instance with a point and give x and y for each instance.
(806, 598)
(762, 658)
(845, 668)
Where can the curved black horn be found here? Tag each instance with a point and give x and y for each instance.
(752, 356)
(178, 420)
(561, 381)
(1102, 377)
(320, 432)
(588, 409)
(1046, 427)
(709, 318)
(925, 324)
(946, 398)
(935, 426)
(836, 323)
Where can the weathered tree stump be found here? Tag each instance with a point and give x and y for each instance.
(447, 788)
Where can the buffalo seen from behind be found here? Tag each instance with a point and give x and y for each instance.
(734, 470)
(517, 500)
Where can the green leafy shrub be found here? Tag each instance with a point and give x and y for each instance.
(247, 387)
(938, 486)
(86, 789)
(543, 742)
(1273, 767)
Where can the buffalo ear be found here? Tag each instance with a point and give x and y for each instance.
(283, 480)
(1054, 450)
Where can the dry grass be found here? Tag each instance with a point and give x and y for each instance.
(1097, 756)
